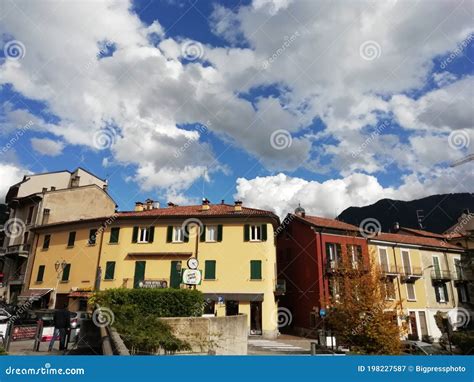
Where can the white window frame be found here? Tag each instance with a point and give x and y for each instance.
(143, 235)
(255, 233)
(455, 268)
(441, 288)
(414, 292)
(439, 263)
(409, 259)
(390, 298)
(178, 234)
(211, 238)
(380, 258)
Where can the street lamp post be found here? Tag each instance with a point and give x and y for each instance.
(59, 267)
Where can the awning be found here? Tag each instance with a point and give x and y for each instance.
(34, 294)
(80, 294)
(234, 296)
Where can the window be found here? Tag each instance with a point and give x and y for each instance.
(389, 289)
(46, 241)
(458, 269)
(143, 234)
(333, 254)
(411, 292)
(255, 270)
(209, 307)
(406, 262)
(210, 270)
(257, 232)
(114, 234)
(26, 235)
(66, 272)
(462, 293)
(92, 236)
(178, 234)
(30, 215)
(383, 257)
(436, 267)
(71, 239)
(40, 275)
(441, 292)
(109, 270)
(355, 251)
(211, 233)
(334, 288)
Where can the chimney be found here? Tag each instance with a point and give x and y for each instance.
(138, 206)
(156, 205)
(149, 204)
(205, 204)
(222, 201)
(46, 212)
(238, 205)
(171, 204)
(105, 187)
(300, 211)
(396, 227)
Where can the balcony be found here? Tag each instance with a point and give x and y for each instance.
(438, 275)
(19, 249)
(280, 288)
(16, 279)
(390, 271)
(338, 267)
(461, 278)
(410, 274)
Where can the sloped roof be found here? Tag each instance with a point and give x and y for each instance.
(318, 221)
(420, 232)
(415, 240)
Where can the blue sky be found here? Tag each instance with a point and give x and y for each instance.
(272, 102)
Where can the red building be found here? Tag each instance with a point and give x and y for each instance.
(311, 254)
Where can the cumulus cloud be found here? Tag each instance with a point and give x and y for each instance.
(9, 174)
(281, 193)
(49, 147)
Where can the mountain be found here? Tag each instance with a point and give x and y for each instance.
(437, 212)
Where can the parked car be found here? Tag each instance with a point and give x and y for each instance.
(76, 322)
(422, 348)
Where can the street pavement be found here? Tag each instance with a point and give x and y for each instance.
(283, 345)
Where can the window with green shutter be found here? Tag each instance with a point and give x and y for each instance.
(92, 236)
(210, 270)
(109, 270)
(255, 270)
(66, 272)
(219, 232)
(114, 234)
(46, 241)
(71, 240)
(40, 275)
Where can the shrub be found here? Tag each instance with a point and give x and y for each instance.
(464, 340)
(158, 302)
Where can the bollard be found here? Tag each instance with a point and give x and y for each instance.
(313, 348)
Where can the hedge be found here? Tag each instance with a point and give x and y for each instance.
(156, 302)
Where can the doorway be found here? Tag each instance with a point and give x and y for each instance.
(413, 326)
(175, 274)
(231, 308)
(139, 273)
(256, 318)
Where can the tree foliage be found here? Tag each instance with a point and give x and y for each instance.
(358, 316)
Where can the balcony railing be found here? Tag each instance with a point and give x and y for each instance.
(410, 274)
(343, 267)
(19, 249)
(462, 277)
(440, 275)
(390, 270)
(16, 278)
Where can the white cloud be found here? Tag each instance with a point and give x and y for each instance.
(47, 147)
(9, 174)
(281, 193)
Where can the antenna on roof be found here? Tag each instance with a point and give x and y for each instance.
(420, 217)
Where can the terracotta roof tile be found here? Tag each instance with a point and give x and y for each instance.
(415, 240)
(329, 223)
(421, 232)
(215, 210)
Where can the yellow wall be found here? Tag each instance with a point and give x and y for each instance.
(232, 256)
(82, 257)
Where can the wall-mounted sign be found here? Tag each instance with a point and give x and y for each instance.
(153, 284)
(192, 277)
(193, 263)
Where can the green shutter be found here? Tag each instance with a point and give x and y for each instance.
(203, 234)
(445, 287)
(255, 270)
(219, 232)
(186, 233)
(210, 270)
(139, 273)
(114, 235)
(151, 236)
(66, 271)
(92, 236)
(169, 234)
(72, 239)
(246, 232)
(40, 275)
(264, 232)
(135, 235)
(109, 270)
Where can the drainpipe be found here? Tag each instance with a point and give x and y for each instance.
(398, 279)
(98, 275)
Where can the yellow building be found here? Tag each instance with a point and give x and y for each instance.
(150, 247)
(416, 270)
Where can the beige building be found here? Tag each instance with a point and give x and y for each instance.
(45, 199)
